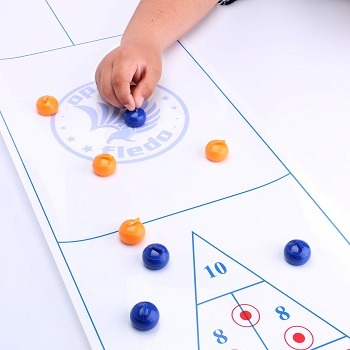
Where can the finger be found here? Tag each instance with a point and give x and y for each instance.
(137, 76)
(98, 80)
(145, 87)
(106, 90)
(122, 77)
(98, 75)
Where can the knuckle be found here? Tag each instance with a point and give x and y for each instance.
(124, 98)
(117, 82)
(105, 91)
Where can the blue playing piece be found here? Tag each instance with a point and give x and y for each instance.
(135, 118)
(155, 256)
(297, 252)
(144, 316)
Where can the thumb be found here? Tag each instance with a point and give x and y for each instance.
(144, 89)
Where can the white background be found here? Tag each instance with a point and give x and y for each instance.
(285, 64)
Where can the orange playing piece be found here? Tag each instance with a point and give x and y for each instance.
(47, 105)
(132, 231)
(104, 165)
(216, 150)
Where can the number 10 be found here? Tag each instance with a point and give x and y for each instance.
(219, 267)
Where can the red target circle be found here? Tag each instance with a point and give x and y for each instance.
(245, 315)
(298, 338)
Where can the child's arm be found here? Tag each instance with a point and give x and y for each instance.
(155, 25)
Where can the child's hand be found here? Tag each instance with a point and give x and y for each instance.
(128, 75)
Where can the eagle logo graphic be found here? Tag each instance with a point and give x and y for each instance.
(86, 126)
(112, 117)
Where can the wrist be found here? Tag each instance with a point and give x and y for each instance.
(148, 43)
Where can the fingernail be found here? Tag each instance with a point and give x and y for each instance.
(139, 102)
(129, 107)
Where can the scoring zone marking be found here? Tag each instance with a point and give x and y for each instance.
(246, 315)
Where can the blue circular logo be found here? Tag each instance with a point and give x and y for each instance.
(87, 126)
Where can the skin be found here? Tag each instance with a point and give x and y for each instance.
(129, 74)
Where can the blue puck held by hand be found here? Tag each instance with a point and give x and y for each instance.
(297, 252)
(144, 316)
(135, 118)
(155, 256)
